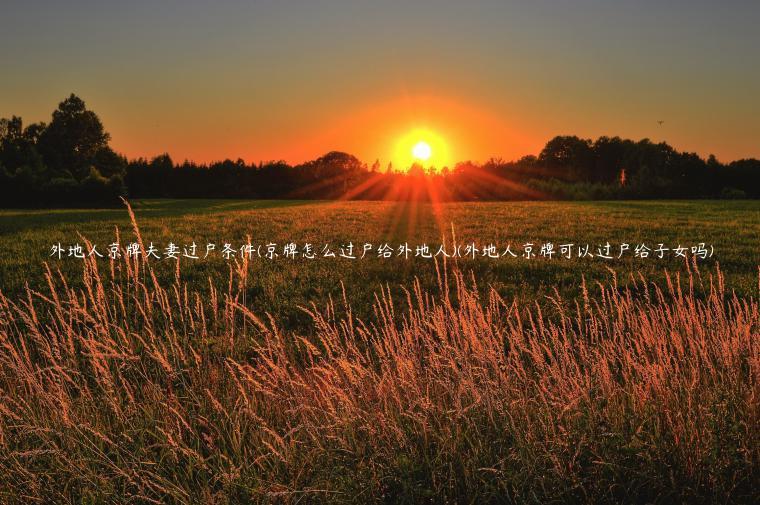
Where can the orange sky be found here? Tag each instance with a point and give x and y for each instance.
(381, 130)
(293, 80)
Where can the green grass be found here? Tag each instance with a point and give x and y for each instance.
(280, 286)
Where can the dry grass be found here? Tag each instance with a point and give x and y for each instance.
(127, 390)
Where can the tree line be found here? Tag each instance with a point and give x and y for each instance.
(69, 162)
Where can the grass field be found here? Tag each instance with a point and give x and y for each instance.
(487, 381)
(280, 286)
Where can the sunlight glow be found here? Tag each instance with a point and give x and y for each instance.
(422, 146)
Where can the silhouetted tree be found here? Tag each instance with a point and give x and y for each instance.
(73, 139)
(571, 157)
(609, 159)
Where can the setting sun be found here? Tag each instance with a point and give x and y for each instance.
(422, 150)
(421, 146)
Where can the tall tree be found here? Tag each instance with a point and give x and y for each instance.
(73, 139)
(569, 157)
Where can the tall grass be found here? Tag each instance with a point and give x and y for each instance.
(127, 390)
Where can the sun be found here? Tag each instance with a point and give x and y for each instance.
(422, 150)
(421, 146)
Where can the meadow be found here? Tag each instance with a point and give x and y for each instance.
(281, 286)
(373, 381)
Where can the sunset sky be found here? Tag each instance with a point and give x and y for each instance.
(294, 79)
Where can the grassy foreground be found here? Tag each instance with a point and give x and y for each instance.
(132, 387)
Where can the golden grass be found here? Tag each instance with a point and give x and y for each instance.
(127, 390)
